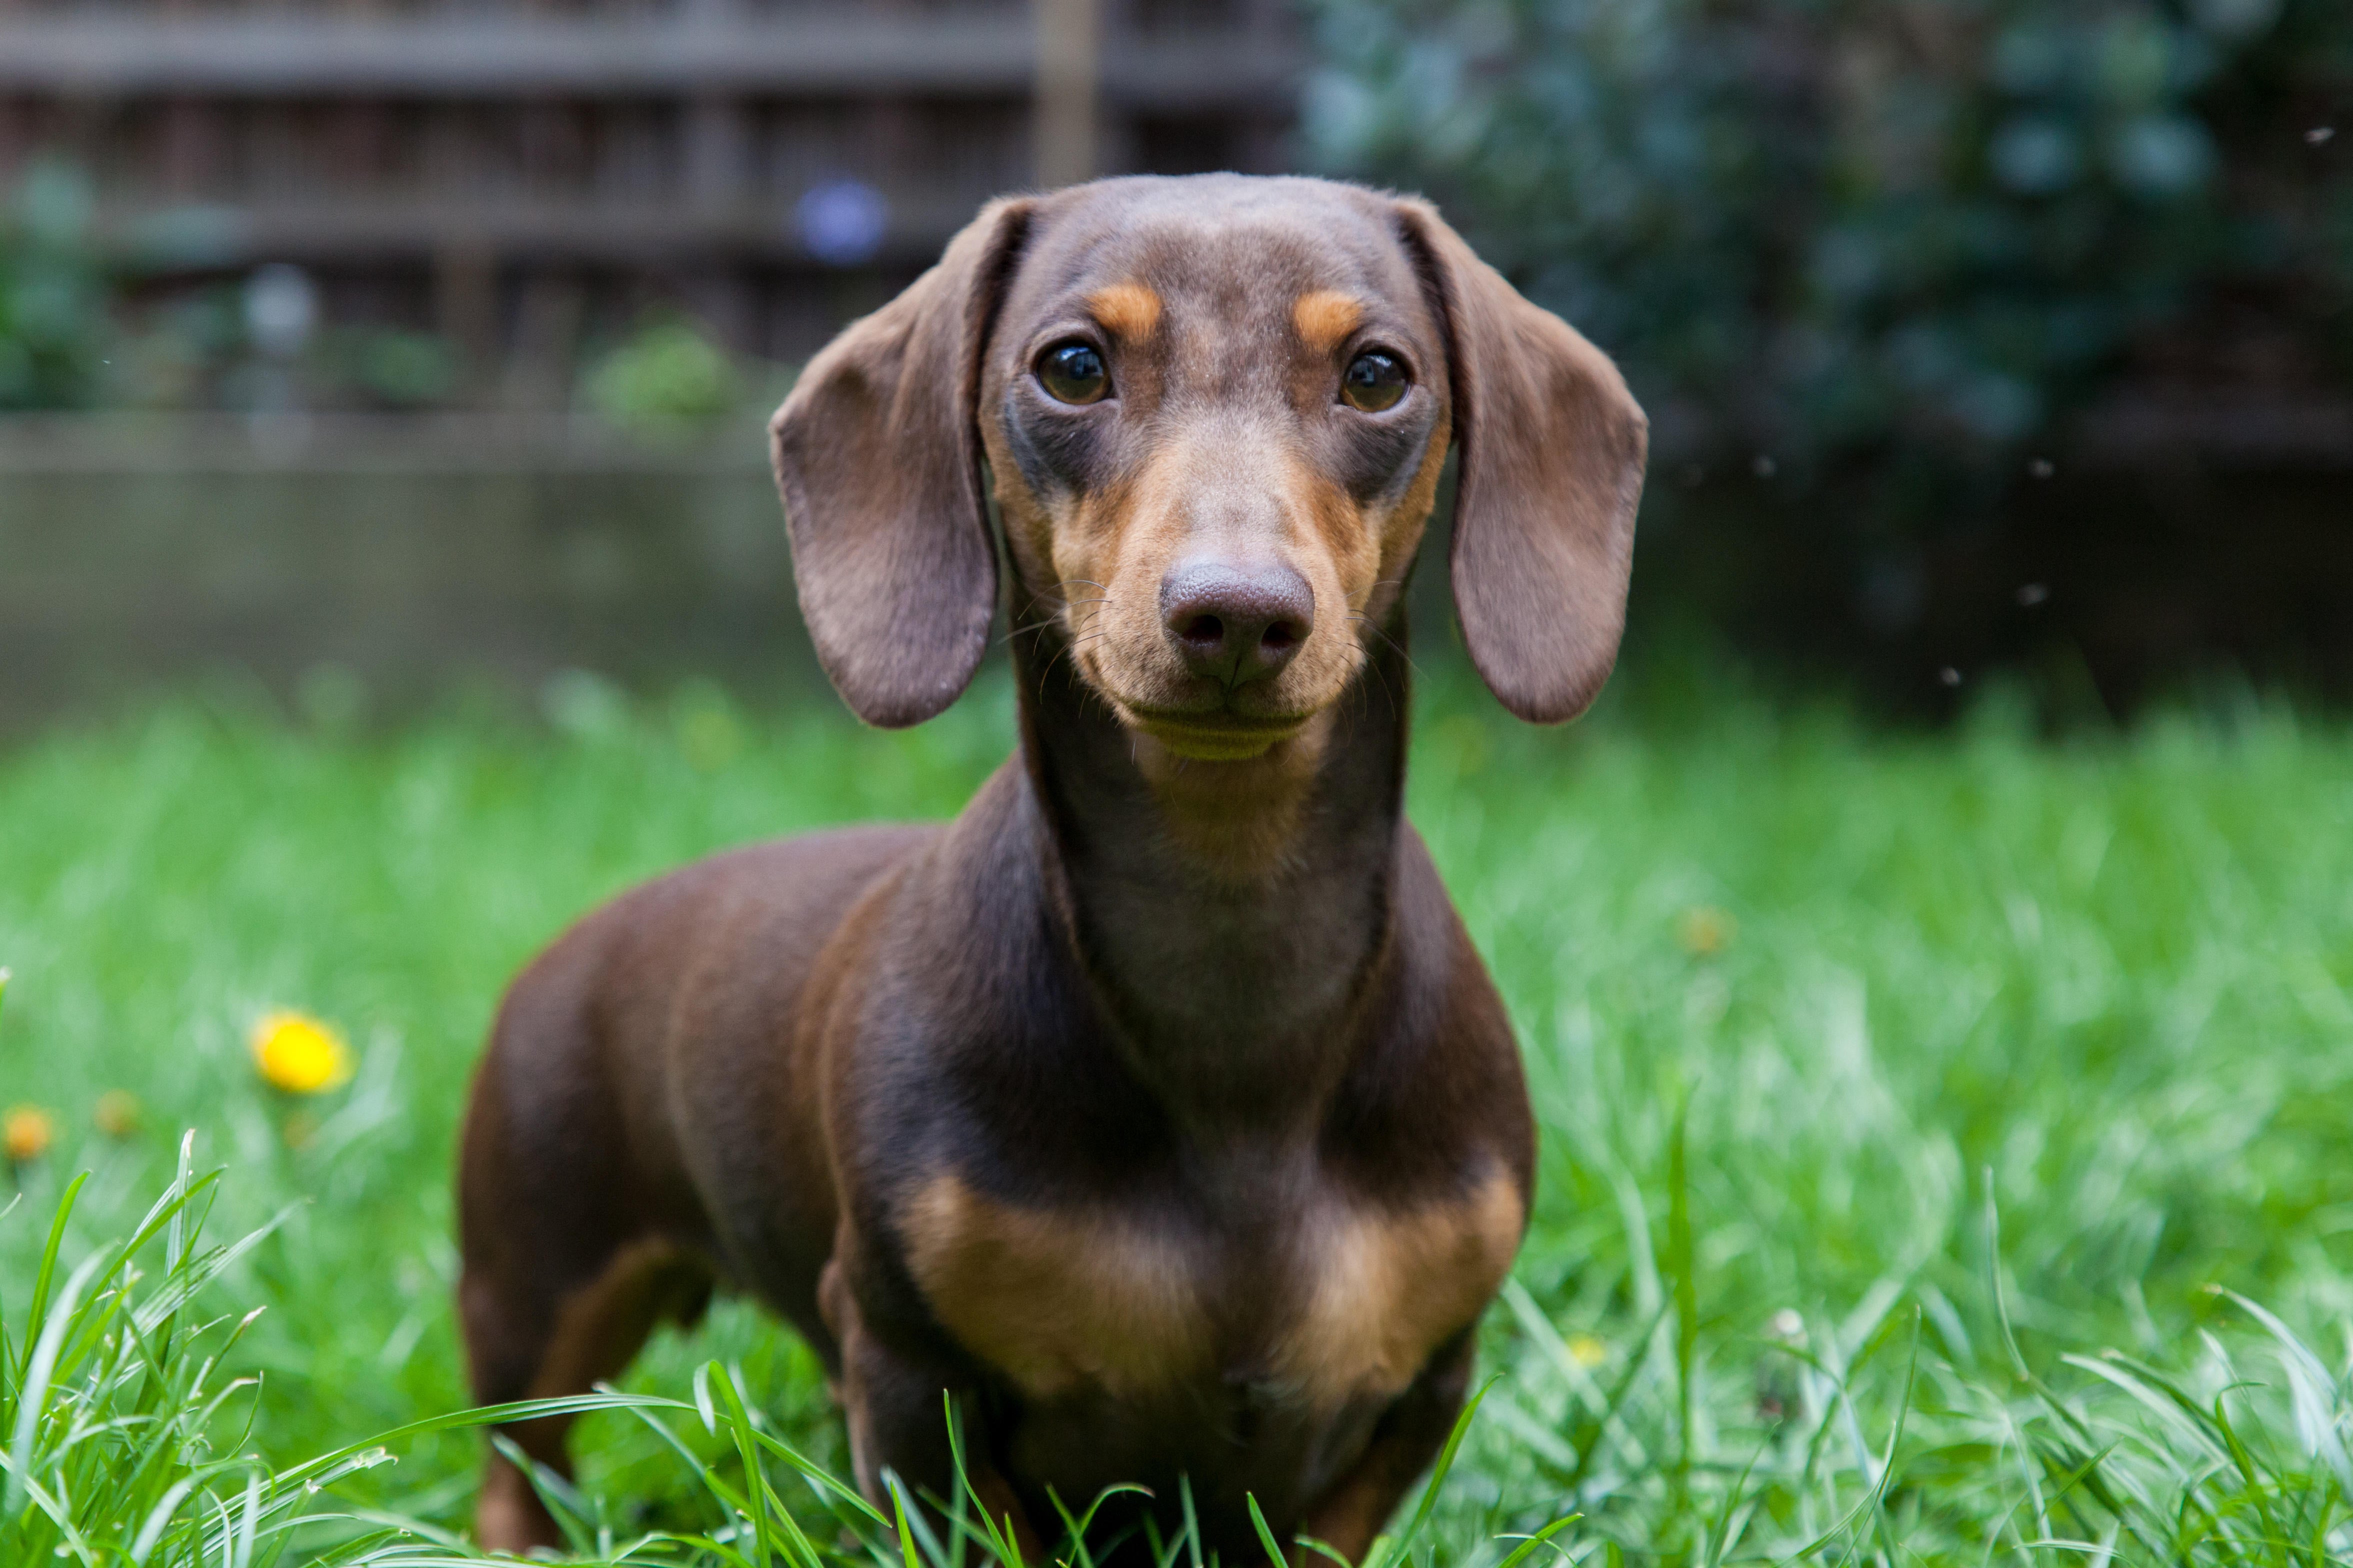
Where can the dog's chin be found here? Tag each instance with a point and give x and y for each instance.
(1202, 722)
(1212, 734)
(1215, 737)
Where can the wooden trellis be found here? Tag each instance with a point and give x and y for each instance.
(494, 168)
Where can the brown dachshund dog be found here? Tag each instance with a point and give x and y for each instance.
(1158, 1107)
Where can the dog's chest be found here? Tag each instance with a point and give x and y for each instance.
(1348, 1299)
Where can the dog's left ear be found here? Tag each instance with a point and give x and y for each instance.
(1552, 448)
(878, 459)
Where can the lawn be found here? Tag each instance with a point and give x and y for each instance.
(1931, 1122)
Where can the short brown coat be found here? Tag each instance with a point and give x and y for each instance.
(1159, 1109)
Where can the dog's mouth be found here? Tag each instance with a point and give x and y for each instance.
(1215, 737)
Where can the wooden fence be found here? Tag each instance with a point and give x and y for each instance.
(500, 170)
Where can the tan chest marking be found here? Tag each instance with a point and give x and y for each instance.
(1389, 1288)
(1058, 1299)
(1067, 1299)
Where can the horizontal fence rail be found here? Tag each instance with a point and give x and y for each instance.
(980, 53)
(198, 445)
(397, 227)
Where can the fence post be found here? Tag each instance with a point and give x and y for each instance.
(1069, 68)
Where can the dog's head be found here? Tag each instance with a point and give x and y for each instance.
(1214, 410)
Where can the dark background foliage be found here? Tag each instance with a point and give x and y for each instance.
(53, 294)
(1882, 272)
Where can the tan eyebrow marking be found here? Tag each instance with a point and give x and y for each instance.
(1324, 318)
(1126, 309)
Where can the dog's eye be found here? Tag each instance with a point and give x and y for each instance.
(1373, 381)
(1074, 372)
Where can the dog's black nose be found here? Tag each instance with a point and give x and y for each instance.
(1236, 623)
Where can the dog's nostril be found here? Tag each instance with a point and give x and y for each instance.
(1204, 630)
(1233, 624)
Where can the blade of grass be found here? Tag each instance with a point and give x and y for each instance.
(1679, 1254)
(1274, 1555)
(1541, 1538)
(36, 1315)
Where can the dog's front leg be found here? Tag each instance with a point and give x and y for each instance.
(1351, 1512)
(895, 1398)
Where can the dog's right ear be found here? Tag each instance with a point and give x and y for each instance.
(878, 459)
(1553, 447)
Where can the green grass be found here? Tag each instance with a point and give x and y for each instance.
(1924, 1118)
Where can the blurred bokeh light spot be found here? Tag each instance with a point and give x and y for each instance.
(2034, 156)
(2159, 154)
(842, 221)
(281, 306)
(2235, 18)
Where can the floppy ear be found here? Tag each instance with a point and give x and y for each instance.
(878, 458)
(1552, 448)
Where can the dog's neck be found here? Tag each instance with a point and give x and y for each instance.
(1230, 915)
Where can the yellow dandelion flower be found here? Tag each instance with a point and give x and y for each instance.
(299, 1054)
(1707, 930)
(118, 1113)
(26, 1132)
(1587, 1351)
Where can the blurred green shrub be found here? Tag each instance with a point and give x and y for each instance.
(1887, 246)
(174, 359)
(387, 367)
(53, 294)
(665, 376)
